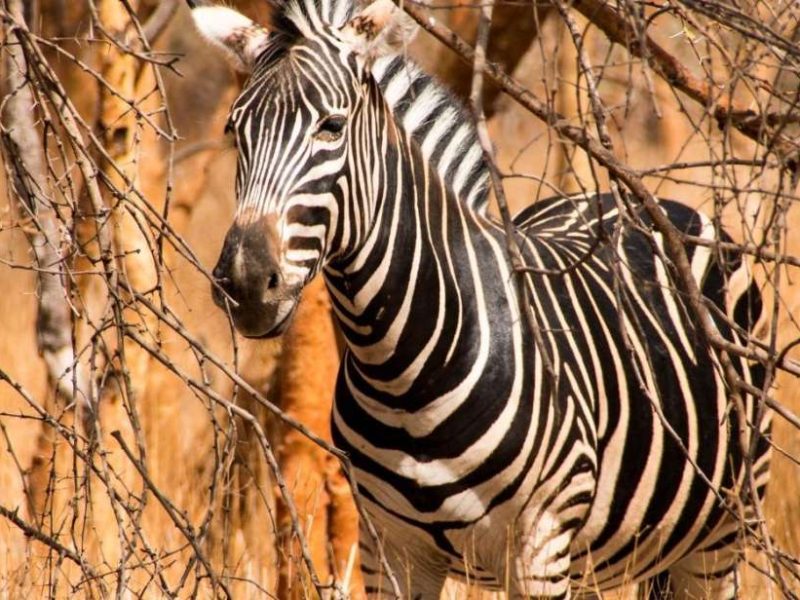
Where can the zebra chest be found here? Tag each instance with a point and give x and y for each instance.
(458, 457)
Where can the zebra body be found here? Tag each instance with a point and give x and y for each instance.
(474, 457)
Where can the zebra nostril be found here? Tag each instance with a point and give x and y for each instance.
(273, 281)
(222, 289)
(218, 273)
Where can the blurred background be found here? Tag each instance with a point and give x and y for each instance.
(144, 448)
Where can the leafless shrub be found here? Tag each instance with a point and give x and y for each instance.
(147, 465)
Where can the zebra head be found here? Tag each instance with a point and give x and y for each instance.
(294, 125)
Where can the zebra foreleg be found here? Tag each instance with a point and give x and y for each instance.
(711, 573)
(541, 566)
(545, 531)
(552, 584)
(420, 575)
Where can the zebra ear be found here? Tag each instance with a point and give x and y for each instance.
(240, 38)
(380, 28)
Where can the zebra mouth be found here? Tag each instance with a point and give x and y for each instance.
(281, 322)
(266, 321)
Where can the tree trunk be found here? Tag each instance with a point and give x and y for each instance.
(25, 158)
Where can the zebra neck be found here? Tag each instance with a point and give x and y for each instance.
(426, 290)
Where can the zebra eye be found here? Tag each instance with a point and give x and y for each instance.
(331, 128)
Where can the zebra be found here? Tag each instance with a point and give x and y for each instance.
(475, 456)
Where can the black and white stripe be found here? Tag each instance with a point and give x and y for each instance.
(472, 460)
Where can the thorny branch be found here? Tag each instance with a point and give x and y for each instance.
(77, 179)
(25, 166)
(757, 125)
(754, 125)
(594, 148)
(37, 534)
(522, 285)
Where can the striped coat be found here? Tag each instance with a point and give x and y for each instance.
(474, 457)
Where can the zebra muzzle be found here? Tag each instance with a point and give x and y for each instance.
(249, 283)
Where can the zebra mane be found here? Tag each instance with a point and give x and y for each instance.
(298, 18)
(438, 122)
(430, 114)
